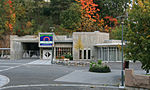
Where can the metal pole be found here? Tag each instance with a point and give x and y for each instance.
(52, 55)
(122, 72)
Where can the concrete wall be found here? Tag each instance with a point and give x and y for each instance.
(132, 80)
(16, 47)
(89, 39)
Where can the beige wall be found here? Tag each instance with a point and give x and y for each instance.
(89, 39)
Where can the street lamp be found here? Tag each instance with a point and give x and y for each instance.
(122, 71)
(52, 30)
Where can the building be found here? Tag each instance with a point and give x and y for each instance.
(96, 45)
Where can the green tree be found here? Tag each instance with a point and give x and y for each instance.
(57, 7)
(138, 35)
(117, 32)
(110, 9)
(71, 18)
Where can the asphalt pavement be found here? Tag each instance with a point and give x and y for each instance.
(30, 75)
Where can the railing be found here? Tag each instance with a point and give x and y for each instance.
(25, 54)
(29, 54)
(4, 53)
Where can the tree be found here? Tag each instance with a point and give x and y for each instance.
(89, 15)
(138, 35)
(91, 19)
(110, 9)
(7, 21)
(71, 18)
(78, 45)
(57, 7)
(117, 31)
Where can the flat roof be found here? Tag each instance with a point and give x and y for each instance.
(65, 41)
(108, 44)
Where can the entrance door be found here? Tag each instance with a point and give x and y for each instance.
(47, 54)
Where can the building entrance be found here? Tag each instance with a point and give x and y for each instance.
(30, 51)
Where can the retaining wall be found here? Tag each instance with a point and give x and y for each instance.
(132, 80)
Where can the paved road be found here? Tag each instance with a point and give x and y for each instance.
(24, 75)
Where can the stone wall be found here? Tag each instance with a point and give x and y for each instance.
(132, 80)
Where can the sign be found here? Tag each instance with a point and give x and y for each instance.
(47, 54)
(46, 40)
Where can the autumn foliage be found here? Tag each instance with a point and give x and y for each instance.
(91, 18)
(10, 15)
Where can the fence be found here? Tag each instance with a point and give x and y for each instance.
(4, 53)
(31, 54)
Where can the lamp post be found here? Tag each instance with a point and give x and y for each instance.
(122, 72)
(52, 30)
(122, 61)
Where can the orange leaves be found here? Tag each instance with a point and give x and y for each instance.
(88, 7)
(10, 27)
(111, 18)
(89, 15)
(10, 14)
(98, 9)
(91, 18)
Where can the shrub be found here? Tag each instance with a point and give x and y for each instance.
(71, 58)
(92, 63)
(99, 62)
(68, 56)
(98, 67)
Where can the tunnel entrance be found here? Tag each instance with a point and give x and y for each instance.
(31, 51)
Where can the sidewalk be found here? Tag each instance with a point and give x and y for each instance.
(41, 62)
(82, 76)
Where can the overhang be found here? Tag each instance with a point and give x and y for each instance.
(108, 44)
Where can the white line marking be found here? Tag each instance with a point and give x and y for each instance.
(5, 66)
(14, 67)
(59, 85)
(10, 63)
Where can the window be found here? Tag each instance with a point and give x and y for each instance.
(80, 54)
(60, 51)
(84, 54)
(89, 54)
